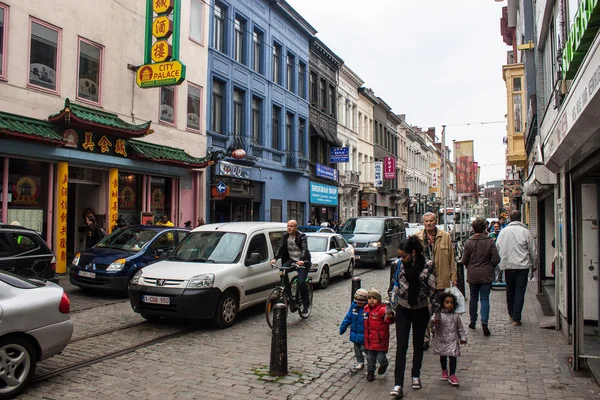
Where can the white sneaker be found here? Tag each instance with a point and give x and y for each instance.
(358, 367)
(396, 391)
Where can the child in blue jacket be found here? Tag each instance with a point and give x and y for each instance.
(354, 319)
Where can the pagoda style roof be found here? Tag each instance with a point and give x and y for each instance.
(29, 129)
(168, 155)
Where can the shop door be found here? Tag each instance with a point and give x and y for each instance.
(83, 200)
(589, 250)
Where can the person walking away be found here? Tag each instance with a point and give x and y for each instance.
(355, 320)
(294, 249)
(413, 287)
(518, 254)
(94, 232)
(438, 248)
(480, 257)
(449, 334)
(377, 334)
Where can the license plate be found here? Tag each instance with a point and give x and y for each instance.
(156, 300)
(357, 257)
(87, 274)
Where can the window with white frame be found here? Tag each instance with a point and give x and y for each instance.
(90, 71)
(276, 63)
(3, 40)
(238, 40)
(44, 55)
(167, 104)
(257, 40)
(196, 27)
(193, 107)
(219, 28)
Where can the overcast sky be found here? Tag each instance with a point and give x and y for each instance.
(437, 61)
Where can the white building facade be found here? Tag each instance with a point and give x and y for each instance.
(366, 101)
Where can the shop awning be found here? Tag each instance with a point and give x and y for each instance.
(29, 129)
(101, 121)
(325, 134)
(167, 155)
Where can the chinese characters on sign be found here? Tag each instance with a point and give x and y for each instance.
(62, 176)
(113, 201)
(389, 171)
(434, 169)
(378, 174)
(104, 145)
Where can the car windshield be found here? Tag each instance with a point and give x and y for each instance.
(317, 244)
(132, 239)
(211, 247)
(363, 226)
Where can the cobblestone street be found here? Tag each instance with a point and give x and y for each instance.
(514, 363)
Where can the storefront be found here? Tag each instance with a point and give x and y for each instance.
(83, 161)
(571, 149)
(233, 195)
(323, 203)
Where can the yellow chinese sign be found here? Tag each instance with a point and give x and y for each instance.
(161, 51)
(113, 200)
(120, 147)
(162, 6)
(162, 27)
(160, 74)
(62, 190)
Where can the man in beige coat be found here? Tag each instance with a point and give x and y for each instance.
(437, 246)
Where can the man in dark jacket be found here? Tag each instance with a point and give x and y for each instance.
(294, 249)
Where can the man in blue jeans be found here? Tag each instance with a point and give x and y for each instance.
(518, 255)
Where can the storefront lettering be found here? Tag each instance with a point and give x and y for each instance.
(63, 191)
(63, 256)
(63, 205)
(63, 217)
(104, 144)
(62, 243)
(113, 194)
(165, 71)
(63, 230)
(88, 144)
(115, 183)
(120, 147)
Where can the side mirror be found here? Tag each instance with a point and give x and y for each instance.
(388, 231)
(332, 251)
(253, 259)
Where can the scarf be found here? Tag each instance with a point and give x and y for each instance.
(412, 272)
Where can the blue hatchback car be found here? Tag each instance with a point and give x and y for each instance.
(113, 261)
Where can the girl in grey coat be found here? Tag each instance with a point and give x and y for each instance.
(449, 335)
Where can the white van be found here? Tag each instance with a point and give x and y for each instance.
(214, 272)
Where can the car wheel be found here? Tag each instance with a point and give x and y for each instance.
(324, 277)
(350, 272)
(226, 310)
(383, 260)
(17, 365)
(151, 318)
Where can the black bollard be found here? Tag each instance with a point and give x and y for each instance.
(279, 356)
(355, 287)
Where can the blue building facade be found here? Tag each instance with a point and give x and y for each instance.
(258, 101)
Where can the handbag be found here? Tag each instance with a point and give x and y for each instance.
(395, 284)
(461, 306)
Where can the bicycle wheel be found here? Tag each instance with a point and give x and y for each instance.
(298, 297)
(276, 296)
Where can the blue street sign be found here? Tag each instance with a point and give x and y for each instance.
(221, 187)
(340, 155)
(326, 172)
(323, 194)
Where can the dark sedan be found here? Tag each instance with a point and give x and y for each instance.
(111, 263)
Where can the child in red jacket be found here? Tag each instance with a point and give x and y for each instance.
(377, 334)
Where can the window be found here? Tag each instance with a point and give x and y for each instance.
(258, 244)
(257, 51)
(238, 106)
(43, 56)
(219, 28)
(25, 243)
(323, 97)
(313, 89)
(238, 41)
(276, 239)
(332, 104)
(276, 213)
(217, 107)
(302, 80)
(301, 137)
(90, 71)
(289, 121)
(167, 104)
(256, 125)
(290, 73)
(193, 107)
(295, 210)
(276, 61)
(275, 128)
(3, 40)
(196, 21)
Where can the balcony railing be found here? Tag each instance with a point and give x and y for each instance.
(352, 178)
(295, 160)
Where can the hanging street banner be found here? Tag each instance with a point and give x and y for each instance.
(435, 175)
(389, 169)
(327, 172)
(161, 51)
(378, 182)
(466, 169)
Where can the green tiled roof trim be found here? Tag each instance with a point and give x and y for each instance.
(158, 153)
(100, 118)
(28, 128)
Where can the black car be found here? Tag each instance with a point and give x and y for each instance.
(24, 252)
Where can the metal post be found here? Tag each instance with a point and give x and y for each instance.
(355, 286)
(445, 178)
(279, 357)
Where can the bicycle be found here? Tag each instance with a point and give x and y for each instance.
(288, 293)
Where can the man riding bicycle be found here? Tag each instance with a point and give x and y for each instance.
(294, 249)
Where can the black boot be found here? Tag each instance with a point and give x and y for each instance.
(370, 376)
(486, 331)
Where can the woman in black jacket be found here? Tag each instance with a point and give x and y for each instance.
(94, 232)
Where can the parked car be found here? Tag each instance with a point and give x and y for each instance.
(413, 229)
(113, 261)
(24, 252)
(315, 228)
(215, 272)
(331, 255)
(34, 326)
(375, 239)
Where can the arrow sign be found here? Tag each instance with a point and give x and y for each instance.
(221, 187)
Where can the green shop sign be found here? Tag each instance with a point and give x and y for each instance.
(584, 30)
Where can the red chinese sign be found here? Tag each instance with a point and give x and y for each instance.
(389, 168)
